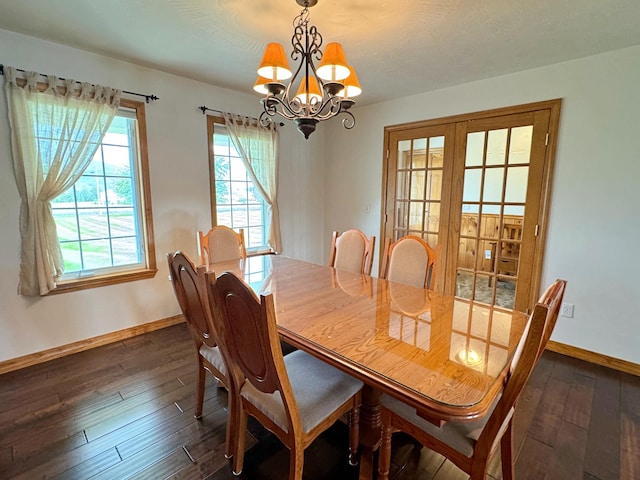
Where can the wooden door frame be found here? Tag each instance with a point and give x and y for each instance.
(448, 247)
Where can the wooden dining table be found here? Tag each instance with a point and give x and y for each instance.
(445, 356)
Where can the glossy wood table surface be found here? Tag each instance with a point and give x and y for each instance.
(445, 356)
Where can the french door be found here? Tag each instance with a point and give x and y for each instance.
(477, 186)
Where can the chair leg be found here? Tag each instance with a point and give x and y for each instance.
(232, 424)
(230, 440)
(384, 453)
(200, 381)
(240, 437)
(354, 435)
(506, 452)
(478, 471)
(296, 461)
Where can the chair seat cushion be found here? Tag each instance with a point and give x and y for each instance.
(318, 387)
(214, 357)
(462, 436)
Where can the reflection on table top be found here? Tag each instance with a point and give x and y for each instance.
(444, 355)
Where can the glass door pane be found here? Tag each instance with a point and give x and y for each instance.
(494, 195)
(418, 187)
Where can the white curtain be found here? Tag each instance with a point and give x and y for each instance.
(258, 146)
(54, 137)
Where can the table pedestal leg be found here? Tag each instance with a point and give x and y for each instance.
(370, 426)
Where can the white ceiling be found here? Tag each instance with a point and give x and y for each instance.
(398, 47)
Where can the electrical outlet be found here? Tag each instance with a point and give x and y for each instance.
(487, 254)
(566, 310)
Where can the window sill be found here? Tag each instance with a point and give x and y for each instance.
(102, 281)
(256, 253)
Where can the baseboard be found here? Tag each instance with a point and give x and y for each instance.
(82, 345)
(597, 358)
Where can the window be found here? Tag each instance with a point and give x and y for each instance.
(236, 202)
(104, 219)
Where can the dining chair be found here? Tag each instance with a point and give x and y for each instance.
(192, 302)
(296, 397)
(410, 260)
(221, 244)
(470, 445)
(352, 251)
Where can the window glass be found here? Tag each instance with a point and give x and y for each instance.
(101, 223)
(238, 202)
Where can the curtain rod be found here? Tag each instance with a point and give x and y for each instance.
(206, 109)
(147, 97)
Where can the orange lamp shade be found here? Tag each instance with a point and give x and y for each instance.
(351, 85)
(314, 91)
(259, 86)
(333, 65)
(274, 65)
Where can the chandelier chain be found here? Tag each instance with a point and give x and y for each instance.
(302, 19)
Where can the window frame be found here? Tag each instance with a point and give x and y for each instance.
(144, 186)
(212, 120)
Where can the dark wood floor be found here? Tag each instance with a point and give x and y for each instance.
(125, 410)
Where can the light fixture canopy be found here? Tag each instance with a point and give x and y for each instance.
(323, 91)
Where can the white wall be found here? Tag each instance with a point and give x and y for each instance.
(177, 139)
(328, 182)
(594, 223)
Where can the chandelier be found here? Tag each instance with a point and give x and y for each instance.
(321, 92)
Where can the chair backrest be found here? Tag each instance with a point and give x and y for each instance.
(552, 297)
(352, 251)
(411, 261)
(248, 335)
(221, 244)
(534, 339)
(186, 286)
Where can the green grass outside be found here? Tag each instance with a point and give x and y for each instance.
(96, 253)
